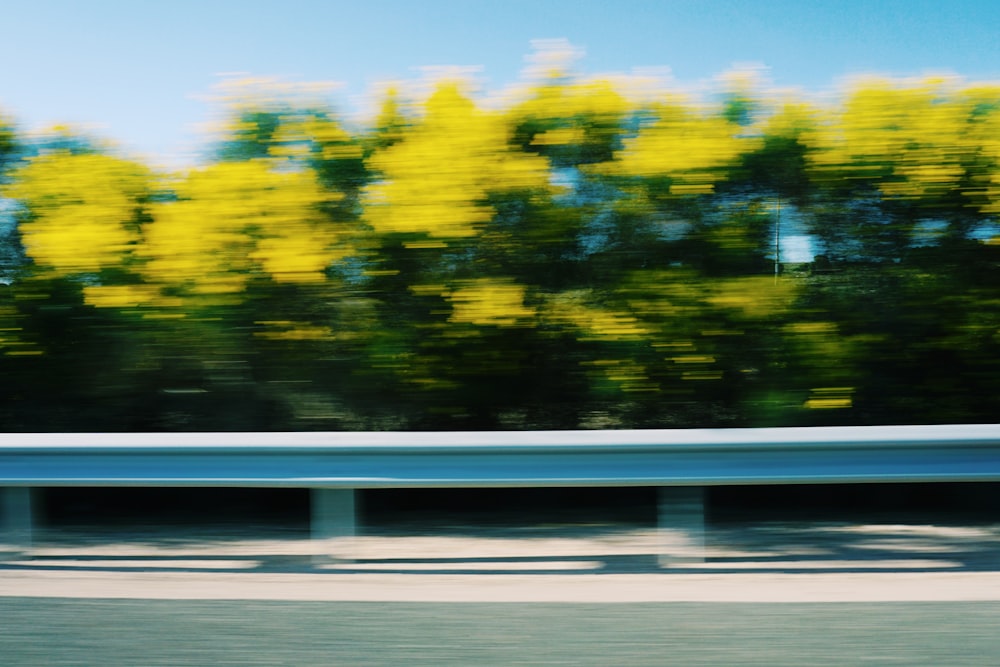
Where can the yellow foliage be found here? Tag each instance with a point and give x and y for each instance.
(752, 296)
(391, 120)
(830, 398)
(820, 328)
(559, 137)
(587, 101)
(300, 137)
(295, 331)
(119, 296)
(233, 219)
(914, 139)
(688, 148)
(435, 181)
(595, 323)
(986, 135)
(694, 359)
(792, 120)
(83, 210)
(428, 290)
(490, 302)
(627, 374)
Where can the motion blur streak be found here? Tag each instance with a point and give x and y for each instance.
(577, 253)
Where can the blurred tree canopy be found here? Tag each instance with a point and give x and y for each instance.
(577, 256)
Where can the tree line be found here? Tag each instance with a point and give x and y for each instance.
(576, 256)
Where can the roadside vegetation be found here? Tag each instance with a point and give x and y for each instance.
(574, 255)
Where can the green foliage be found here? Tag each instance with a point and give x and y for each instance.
(9, 144)
(575, 258)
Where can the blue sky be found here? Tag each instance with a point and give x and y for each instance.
(139, 71)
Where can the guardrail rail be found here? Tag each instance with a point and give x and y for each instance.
(335, 465)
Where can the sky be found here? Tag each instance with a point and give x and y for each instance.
(143, 73)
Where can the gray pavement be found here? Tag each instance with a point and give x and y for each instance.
(768, 593)
(46, 631)
(748, 562)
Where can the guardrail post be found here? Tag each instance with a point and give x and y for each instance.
(681, 522)
(334, 524)
(16, 519)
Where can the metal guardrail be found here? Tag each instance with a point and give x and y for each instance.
(532, 458)
(333, 465)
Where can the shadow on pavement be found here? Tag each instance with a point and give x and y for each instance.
(431, 547)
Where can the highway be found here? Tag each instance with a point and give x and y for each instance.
(96, 631)
(807, 593)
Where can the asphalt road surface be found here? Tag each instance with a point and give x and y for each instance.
(55, 631)
(767, 594)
